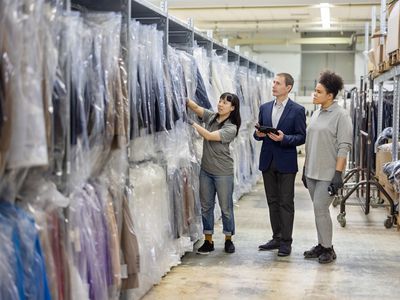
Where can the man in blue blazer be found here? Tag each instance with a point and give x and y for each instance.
(278, 160)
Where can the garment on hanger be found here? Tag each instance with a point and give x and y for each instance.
(28, 277)
(22, 55)
(203, 62)
(88, 232)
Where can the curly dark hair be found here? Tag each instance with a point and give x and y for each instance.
(332, 82)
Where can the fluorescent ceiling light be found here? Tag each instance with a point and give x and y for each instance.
(325, 15)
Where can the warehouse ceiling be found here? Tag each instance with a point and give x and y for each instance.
(257, 23)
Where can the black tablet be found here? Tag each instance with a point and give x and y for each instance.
(266, 129)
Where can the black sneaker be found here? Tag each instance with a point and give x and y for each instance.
(284, 249)
(206, 248)
(328, 255)
(229, 246)
(314, 252)
(270, 245)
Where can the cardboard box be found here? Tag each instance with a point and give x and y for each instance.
(389, 189)
(393, 31)
(383, 157)
(379, 51)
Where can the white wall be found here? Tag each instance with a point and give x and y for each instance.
(275, 58)
(360, 64)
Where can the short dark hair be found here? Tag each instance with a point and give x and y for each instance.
(332, 82)
(288, 78)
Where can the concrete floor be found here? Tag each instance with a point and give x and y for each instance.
(367, 265)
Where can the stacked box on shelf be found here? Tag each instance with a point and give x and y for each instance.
(393, 35)
(378, 59)
(383, 157)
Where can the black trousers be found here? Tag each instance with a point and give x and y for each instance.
(279, 189)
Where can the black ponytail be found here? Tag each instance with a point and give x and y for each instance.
(234, 116)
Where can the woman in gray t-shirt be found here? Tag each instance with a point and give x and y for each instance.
(328, 141)
(216, 175)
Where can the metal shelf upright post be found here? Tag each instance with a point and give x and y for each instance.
(392, 74)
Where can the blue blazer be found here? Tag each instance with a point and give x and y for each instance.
(293, 124)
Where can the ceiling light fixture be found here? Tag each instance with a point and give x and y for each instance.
(325, 15)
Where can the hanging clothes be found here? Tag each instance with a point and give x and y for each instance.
(28, 266)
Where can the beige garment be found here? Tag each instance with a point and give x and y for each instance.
(44, 234)
(130, 249)
(120, 92)
(188, 197)
(113, 245)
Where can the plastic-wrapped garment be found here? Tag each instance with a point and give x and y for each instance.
(151, 217)
(169, 101)
(80, 168)
(201, 96)
(99, 112)
(225, 83)
(122, 109)
(195, 87)
(189, 72)
(130, 248)
(112, 245)
(245, 95)
(6, 72)
(382, 138)
(143, 63)
(21, 54)
(27, 251)
(176, 150)
(42, 199)
(88, 236)
(113, 73)
(11, 269)
(53, 40)
(148, 103)
(79, 288)
(177, 84)
(242, 158)
(158, 80)
(204, 64)
(175, 184)
(255, 97)
(103, 81)
(192, 201)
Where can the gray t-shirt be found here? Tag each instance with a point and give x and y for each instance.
(329, 136)
(217, 159)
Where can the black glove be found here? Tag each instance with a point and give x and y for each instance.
(303, 178)
(336, 183)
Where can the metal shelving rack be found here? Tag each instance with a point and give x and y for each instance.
(392, 74)
(184, 36)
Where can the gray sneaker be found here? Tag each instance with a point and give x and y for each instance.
(314, 252)
(328, 255)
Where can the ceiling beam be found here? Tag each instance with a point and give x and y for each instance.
(202, 8)
(301, 41)
(307, 52)
(282, 21)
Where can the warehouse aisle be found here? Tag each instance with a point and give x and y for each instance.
(367, 267)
